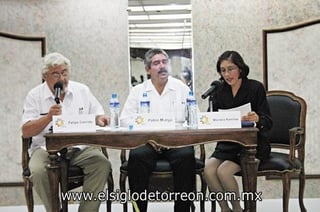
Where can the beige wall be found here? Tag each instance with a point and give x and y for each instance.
(93, 34)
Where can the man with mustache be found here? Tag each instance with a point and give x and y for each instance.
(166, 94)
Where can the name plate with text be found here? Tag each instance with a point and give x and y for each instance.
(77, 123)
(218, 120)
(151, 121)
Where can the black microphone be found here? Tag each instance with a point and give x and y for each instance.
(214, 85)
(58, 87)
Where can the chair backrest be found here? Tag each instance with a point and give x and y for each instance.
(287, 111)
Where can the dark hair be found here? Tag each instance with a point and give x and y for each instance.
(150, 53)
(235, 58)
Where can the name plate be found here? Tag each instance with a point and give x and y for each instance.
(152, 121)
(218, 120)
(77, 123)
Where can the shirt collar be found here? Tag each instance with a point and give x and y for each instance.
(46, 91)
(168, 86)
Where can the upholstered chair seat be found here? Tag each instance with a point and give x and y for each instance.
(279, 162)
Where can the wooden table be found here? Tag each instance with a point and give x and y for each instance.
(167, 138)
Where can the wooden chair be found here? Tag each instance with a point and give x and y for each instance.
(71, 177)
(288, 113)
(161, 178)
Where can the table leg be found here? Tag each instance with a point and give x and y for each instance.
(53, 174)
(249, 178)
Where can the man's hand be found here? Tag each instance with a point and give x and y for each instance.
(155, 146)
(55, 110)
(102, 120)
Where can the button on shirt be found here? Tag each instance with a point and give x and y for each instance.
(78, 100)
(172, 100)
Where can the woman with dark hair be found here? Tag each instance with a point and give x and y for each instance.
(236, 90)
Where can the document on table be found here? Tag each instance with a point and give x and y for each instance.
(244, 109)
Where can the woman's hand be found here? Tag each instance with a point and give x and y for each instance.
(251, 116)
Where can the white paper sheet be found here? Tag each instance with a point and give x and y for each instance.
(244, 109)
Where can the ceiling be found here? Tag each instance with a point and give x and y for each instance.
(160, 23)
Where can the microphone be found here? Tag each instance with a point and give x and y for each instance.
(58, 87)
(214, 85)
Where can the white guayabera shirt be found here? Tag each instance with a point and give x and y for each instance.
(78, 100)
(172, 100)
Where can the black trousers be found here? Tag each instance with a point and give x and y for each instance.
(142, 162)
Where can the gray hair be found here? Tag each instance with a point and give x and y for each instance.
(150, 53)
(54, 59)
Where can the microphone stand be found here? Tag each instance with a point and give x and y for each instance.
(210, 100)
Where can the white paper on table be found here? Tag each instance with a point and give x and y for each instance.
(244, 109)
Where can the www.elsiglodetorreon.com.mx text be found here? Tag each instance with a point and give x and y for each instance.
(123, 197)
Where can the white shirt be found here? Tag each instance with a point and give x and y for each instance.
(172, 100)
(78, 100)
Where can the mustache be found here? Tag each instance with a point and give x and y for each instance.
(163, 70)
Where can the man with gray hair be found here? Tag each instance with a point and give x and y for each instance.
(40, 106)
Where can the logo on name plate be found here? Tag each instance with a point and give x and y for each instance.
(139, 120)
(204, 119)
(59, 122)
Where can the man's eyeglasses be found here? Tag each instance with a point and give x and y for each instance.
(57, 75)
(228, 69)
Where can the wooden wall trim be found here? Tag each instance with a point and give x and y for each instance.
(265, 33)
(40, 39)
(43, 49)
